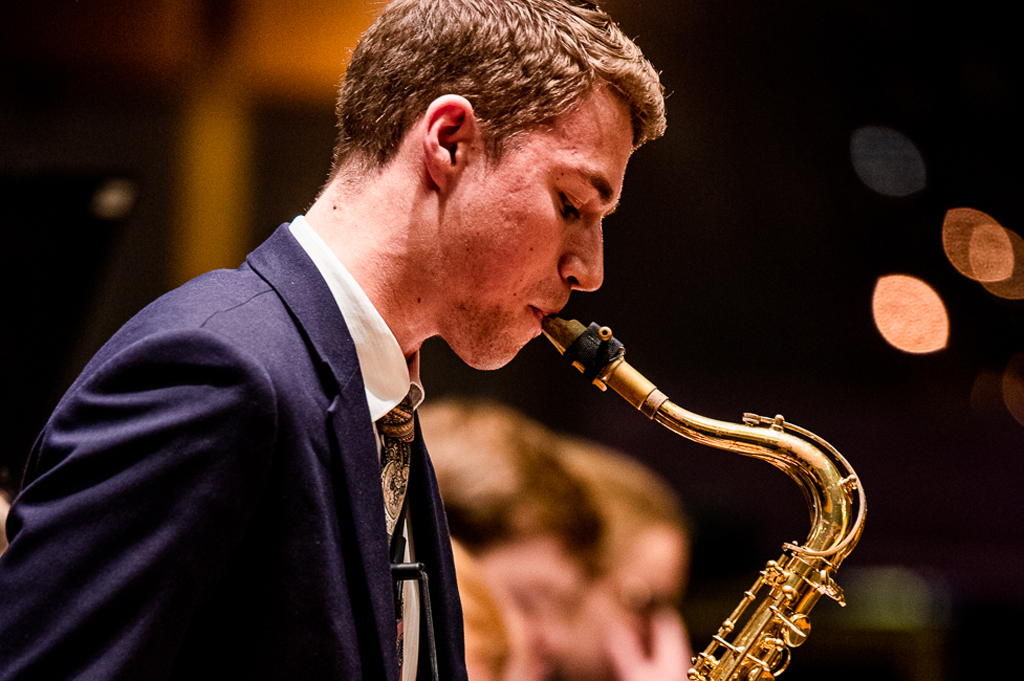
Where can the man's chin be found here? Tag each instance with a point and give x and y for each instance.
(488, 361)
(494, 355)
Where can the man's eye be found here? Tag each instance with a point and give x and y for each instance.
(568, 209)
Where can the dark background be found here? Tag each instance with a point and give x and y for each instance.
(739, 274)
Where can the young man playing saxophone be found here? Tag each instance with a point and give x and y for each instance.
(206, 500)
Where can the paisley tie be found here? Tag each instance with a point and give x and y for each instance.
(396, 430)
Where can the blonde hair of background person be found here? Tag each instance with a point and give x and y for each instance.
(5, 506)
(501, 480)
(488, 644)
(631, 498)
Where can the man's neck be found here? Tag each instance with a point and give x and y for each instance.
(372, 230)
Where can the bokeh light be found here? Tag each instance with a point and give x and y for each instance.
(909, 314)
(982, 249)
(987, 393)
(114, 199)
(887, 161)
(1011, 287)
(977, 245)
(1013, 387)
(990, 253)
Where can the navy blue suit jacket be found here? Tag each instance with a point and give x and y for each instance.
(205, 501)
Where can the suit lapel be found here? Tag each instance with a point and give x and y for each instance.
(283, 263)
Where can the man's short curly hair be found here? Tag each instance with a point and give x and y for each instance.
(520, 63)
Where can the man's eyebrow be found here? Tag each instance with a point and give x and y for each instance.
(604, 190)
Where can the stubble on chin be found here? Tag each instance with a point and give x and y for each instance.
(487, 343)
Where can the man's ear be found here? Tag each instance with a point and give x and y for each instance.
(451, 138)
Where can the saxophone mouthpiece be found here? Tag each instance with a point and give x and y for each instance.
(562, 332)
(589, 348)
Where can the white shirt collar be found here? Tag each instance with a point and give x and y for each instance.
(386, 374)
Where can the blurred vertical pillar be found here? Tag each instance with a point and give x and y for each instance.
(215, 157)
(257, 50)
(213, 219)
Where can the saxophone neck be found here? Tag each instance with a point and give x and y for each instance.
(810, 461)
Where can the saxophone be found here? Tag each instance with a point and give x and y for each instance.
(762, 636)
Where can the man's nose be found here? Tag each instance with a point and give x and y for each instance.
(582, 264)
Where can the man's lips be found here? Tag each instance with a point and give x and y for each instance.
(538, 313)
(541, 313)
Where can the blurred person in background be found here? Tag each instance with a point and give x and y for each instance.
(595, 569)
(633, 606)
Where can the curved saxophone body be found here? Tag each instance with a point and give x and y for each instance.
(755, 641)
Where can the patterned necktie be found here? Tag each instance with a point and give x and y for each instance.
(397, 431)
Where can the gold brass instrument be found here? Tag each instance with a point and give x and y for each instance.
(787, 589)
